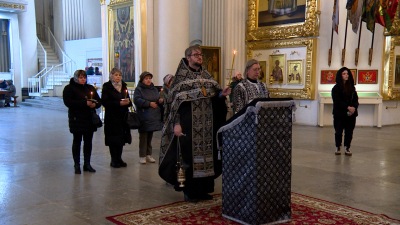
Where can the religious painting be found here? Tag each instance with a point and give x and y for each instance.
(263, 73)
(368, 76)
(279, 12)
(294, 72)
(282, 19)
(276, 68)
(397, 71)
(354, 73)
(212, 61)
(328, 76)
(121, 40)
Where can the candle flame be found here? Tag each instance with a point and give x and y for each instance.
(234, 52)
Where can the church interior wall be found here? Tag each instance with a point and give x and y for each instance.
(27, 30)
(15, 49)
(366, 112)
(92, 18)
(58, 22)
(81, 50)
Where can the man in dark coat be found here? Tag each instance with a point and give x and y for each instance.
(195, 109)
(11, 92)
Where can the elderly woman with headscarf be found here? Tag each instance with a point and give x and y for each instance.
(116, 101)
(147, 101)
(81, 99)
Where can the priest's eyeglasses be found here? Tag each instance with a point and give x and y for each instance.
(197, 55)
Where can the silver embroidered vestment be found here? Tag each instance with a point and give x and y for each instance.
(246, 91)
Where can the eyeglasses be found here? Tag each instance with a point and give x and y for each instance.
(197, 55)
(256, 70)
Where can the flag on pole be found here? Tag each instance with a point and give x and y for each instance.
(368, 14)
(354, 12)
(335, 16)
(385, 12)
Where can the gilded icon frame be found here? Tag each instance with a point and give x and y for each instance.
(308, 28)
(112, 11)
(291, 71)
(389, 90)
(211, 59)
(280, 59)
(308, 92)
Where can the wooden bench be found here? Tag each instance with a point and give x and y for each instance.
(15, 100)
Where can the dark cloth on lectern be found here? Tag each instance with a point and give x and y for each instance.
(256, 155)
(200, 117)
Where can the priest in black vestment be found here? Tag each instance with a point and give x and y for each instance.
(195, 110)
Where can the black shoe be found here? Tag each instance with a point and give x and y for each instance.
(205, 196)
(88, 168)
(122, 163)
(115, 165)
(77, 169)
(7, 105)
(186, 198)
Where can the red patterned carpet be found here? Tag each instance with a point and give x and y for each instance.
(305, 210)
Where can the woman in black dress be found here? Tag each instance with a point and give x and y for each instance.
(345, 104)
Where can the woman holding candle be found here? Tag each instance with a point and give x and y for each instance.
(148, 102)
(115, 99)
(81, 99)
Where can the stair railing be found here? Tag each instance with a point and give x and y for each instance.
(46, 80)
(40, 82)
(40, 48)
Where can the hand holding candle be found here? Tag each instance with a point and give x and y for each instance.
(91, 95)
(126, 92)
(230, 76)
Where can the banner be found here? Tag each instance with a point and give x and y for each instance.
(354, 13)
(335, 16)
(368, 14)
(386, 10)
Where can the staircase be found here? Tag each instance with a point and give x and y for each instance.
(55, 72)
(59, 78)
(54, 103)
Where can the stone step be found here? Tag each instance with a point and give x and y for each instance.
(54, 103)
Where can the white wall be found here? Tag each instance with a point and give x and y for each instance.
(309, 115)
(92, 18)
(15, 49)
(80, 50)
(58, 22)
(27, 35)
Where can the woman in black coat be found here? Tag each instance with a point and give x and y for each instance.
(148, 102)
(345, 104)
(115, 99)
(82, 100)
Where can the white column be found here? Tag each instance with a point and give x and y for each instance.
(235, 36)
(104, 45)
(214, 27)
(171, 36)
(196, 23)
(73, 19)
(28, 40)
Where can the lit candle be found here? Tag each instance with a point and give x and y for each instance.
(126, 92)
(230, 76)
(91, 95)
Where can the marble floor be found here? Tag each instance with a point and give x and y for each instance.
(38, 184)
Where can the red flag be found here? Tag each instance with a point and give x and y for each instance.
(385, 12)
